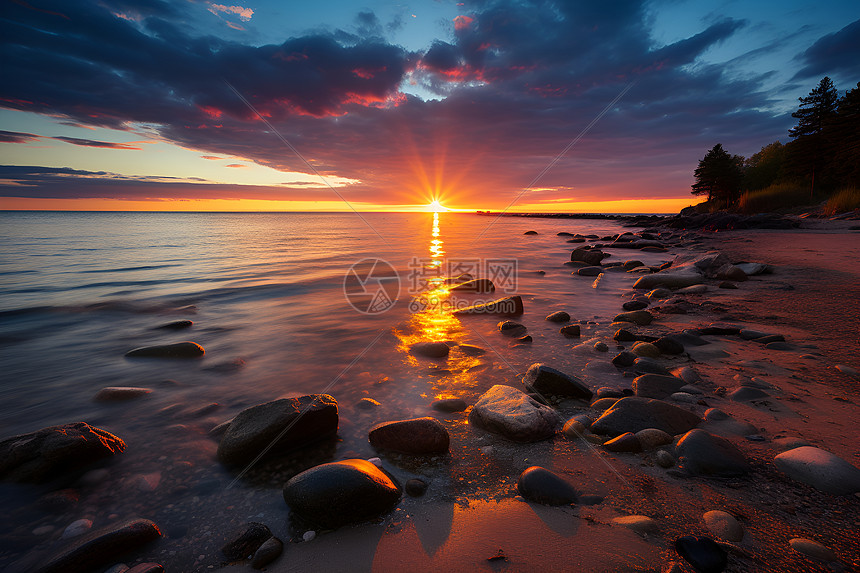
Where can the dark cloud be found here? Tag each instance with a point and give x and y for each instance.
(16, 137)
(520, 80)
(92, 143)
(833, 54)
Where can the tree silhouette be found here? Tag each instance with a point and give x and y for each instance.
(810, 150)
(719, 176)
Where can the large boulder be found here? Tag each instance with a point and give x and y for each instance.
(551, 382)
(820, 469)
(702, 453)
(281, 425)
(341, 493)
(98, 549)
(508, 306)
(633, 414)
(656, 386)
(420, 436)
(49, 452)
(507, 411)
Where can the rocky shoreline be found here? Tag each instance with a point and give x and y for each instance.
(693, 440)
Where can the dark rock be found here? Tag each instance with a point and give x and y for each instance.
(543, 486)
(415, 487)
(647, 365)
(626, 442)
(341, 493)
(632, 264)
(634, 414)
(309, 418)
(720, 330)
(551, 382)
(470, 350)
(449, 405)
(430, 349)
(185, 349)
(623, 335)
(589, 271)
(571, 330)
(564, 234)
(768, 338)
(631, 305)
(576, 240)
(101, 547)
(507, 411)
(270, 550)
(419, 436)
(702, 453)
(669, 345)
(367, 404)
(530, 233)
(176, 325)
(640, 317)
(588, 256)
(50, 452)
(527, 339)
(690, 337)
(245, 541)
(559, 316)
(656, 386)
(778, 346)
(703, 553)
(728, 285)
(606, 392)
(511, 328)
(477, 285)
(508, 306)
(120, 393)
(624, 359)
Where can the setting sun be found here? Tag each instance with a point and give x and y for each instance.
(436, 207)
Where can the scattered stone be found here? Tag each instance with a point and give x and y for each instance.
(647, 365)
(55, 450)
(768, 338)
(656, 386)
(367, 404)
(341, 493)
(588, 271)
(627, 442)
(624, 335)
(419, 436)
(746, 393)
(723, 525)
(244, 541)
(559, 316)
(624, 359)
(309, 536)
(751, 269)
(511, 328)
(270, 550)
(778, 346)
(306, 419)
(639, 523)
(669, 345)
(508, 306)
(690, 389)
(658, 294)
(847, 370)
(186, 349)
(694, 289)
(683, 397)
(527, 339)
(668, 280)
(702, 553)
(120, 393)
(430, 349)
(727, 285)
(507, 411)
(607, 392)
(415, 487)
(470, 350)
(632, 264)
(664, 459)
(702, 453)
(687, 374)
(573, 428)
(549, 381)
(482, 286)
(588, 256)
(530, 233)
(634, 413)
(650, 438)
(812, 549)
(749, 334)
(543, 486)
(632, 305)
(77, 528)
(820, 469)
(790, 443)
(601, 347)
(176, 325)
(101, 547)
(640, 317)
(604, 403)
(450, 405)
(571, 330)
(646, 349)
(715, 415)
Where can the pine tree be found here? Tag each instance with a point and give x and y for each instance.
(815, 109)
(844, 133)
(810, 151)
(719, 176)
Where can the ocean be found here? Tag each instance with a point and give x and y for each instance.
(273, 302)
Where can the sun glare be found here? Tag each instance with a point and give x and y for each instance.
(436, 207)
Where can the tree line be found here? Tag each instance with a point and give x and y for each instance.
(823, 154)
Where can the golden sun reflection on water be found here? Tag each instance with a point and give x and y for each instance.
(433, 321)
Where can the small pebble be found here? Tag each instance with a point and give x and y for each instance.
(76, 528)
(309, 535)
(812, 549)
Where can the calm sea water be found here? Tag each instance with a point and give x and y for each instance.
(266, 295)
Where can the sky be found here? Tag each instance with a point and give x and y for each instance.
(565, 106)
